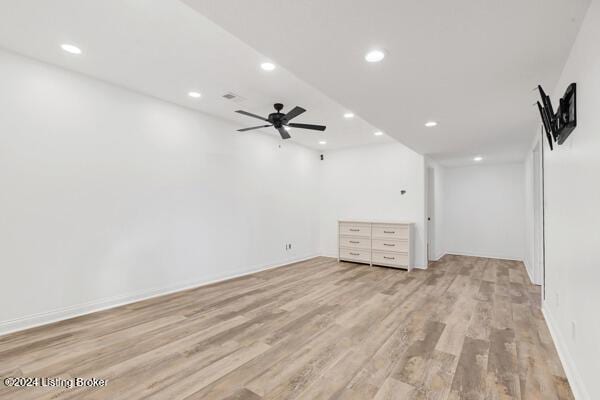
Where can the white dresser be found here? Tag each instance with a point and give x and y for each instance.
(376, 243)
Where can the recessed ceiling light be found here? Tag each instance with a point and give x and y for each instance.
(478, 158)
(349, 115)
(72, 49)
(287, 128)
(267, 66)
(374, 56)
(378, 133)
(322, 142)
(195, 95)
(430, 124)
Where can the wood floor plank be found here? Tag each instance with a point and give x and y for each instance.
(503, 376)
(438, 378)
(393, 389)
(243, 394)
(469, 381)
(203, 377)
(466, 328)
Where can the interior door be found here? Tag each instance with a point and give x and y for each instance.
(430, 215)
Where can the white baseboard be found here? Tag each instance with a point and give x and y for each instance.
(483, 255)
(575, 381)
(329, 256)
(438, 258)
(48, 317)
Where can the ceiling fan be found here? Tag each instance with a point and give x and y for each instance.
(280, 121)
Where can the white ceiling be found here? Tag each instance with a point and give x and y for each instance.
(470, 65)
(165, 49)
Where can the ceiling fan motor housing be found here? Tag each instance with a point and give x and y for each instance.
(277, 117)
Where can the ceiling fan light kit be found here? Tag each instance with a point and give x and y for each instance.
(281, 121)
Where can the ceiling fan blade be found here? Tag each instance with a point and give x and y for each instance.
(294, 112)
(284, 134)
(251, 115)
(308, 126)
(254, 127)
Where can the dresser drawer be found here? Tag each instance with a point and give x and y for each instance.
(355, 242)
(355, 255)
(381, 231)
(355, 229)
(391, 245)
(390, 259)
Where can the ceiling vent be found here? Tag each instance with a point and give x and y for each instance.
(234, 97)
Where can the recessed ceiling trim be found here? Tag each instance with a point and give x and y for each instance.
(375, 56)
(267, 66)
(71, 49)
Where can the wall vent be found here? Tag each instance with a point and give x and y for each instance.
(233, 97)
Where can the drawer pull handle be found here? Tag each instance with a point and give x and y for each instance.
(389, 244)
(354, 230)
(389, 232)
(389, 258)
(354, 241)
(354, 254)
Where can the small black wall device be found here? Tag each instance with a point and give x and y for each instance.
(559, 125)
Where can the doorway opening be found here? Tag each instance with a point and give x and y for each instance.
(538, 215)
(430, 215)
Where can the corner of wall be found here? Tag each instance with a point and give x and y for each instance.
(526, 262)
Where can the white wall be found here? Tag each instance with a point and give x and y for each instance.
(108, 196)
(572, 203)
(365, 183)
(484, 210)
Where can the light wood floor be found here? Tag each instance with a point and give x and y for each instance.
(466, 328)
